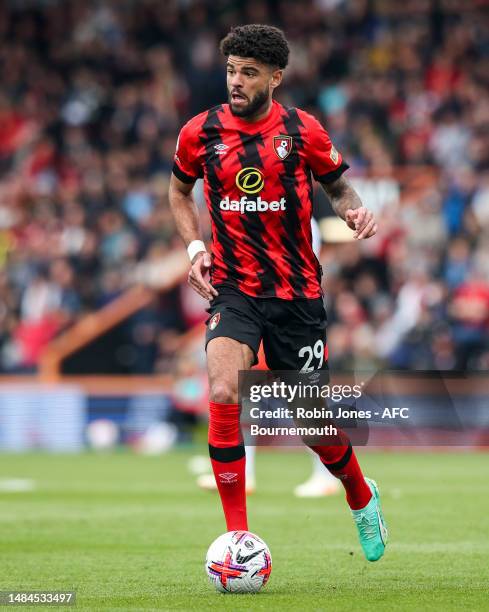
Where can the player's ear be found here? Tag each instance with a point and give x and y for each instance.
(277, 76)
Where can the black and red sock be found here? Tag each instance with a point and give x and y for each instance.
(342, 462)
(227, 453)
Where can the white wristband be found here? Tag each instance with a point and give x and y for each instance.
(196, 246)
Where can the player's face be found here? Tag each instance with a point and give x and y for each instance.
(250, 85)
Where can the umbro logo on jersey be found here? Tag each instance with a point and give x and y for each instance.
(228, 476)
(220, 148)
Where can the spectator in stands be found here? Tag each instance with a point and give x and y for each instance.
(94, 93)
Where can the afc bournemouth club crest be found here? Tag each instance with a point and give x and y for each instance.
(214, 322)
(282, 145)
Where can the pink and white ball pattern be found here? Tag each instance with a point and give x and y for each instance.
(238, 562)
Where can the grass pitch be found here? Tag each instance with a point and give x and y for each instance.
(130, 533)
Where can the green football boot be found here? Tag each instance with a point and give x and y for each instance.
(372, 529)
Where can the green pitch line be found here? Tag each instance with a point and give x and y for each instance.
(130, 533)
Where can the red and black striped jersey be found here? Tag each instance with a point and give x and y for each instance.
(258, 188)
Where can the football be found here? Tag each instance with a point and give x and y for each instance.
(238, 562)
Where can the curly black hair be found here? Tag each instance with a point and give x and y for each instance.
(264, 43)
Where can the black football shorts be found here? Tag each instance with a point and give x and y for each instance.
(293, 331)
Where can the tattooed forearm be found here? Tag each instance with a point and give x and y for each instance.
(342, 196)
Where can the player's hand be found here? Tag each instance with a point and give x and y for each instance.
(362, 221)
(200, 267)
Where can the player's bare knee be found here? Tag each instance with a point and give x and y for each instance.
(223, 392)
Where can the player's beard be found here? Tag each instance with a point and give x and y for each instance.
(253, 106)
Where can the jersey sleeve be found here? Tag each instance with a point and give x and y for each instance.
(186, 164)
(325, 162)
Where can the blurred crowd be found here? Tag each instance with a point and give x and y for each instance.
(92, 95)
